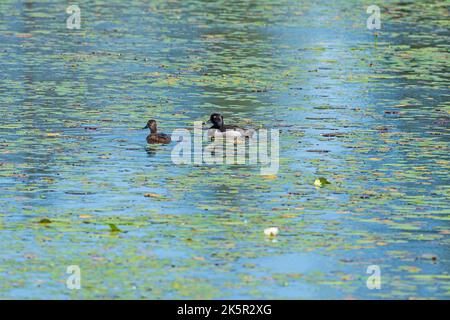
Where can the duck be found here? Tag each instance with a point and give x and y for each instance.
(154, 136)
(220, 129)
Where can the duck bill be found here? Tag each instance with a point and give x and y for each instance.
(146, 127)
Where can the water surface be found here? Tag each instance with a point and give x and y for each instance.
(73, 102)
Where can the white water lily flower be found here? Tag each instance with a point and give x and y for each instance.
(321, 182)
(317, 183)
(271, 232)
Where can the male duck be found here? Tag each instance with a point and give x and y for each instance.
(220, 129)
(154, 136)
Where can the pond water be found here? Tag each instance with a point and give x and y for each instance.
(366, 109)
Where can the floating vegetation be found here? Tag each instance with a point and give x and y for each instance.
(114, 228)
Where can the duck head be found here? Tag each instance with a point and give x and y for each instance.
(217, 120)
(151, 124)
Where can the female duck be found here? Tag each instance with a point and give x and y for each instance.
(154, 136)
(220, 129)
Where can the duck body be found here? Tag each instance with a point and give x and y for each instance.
(155, 136)
(214, 132)
(158, 138)
(219, 129)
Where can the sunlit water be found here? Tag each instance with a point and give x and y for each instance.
(73, 103)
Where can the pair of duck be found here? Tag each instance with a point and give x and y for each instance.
(218, 129)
